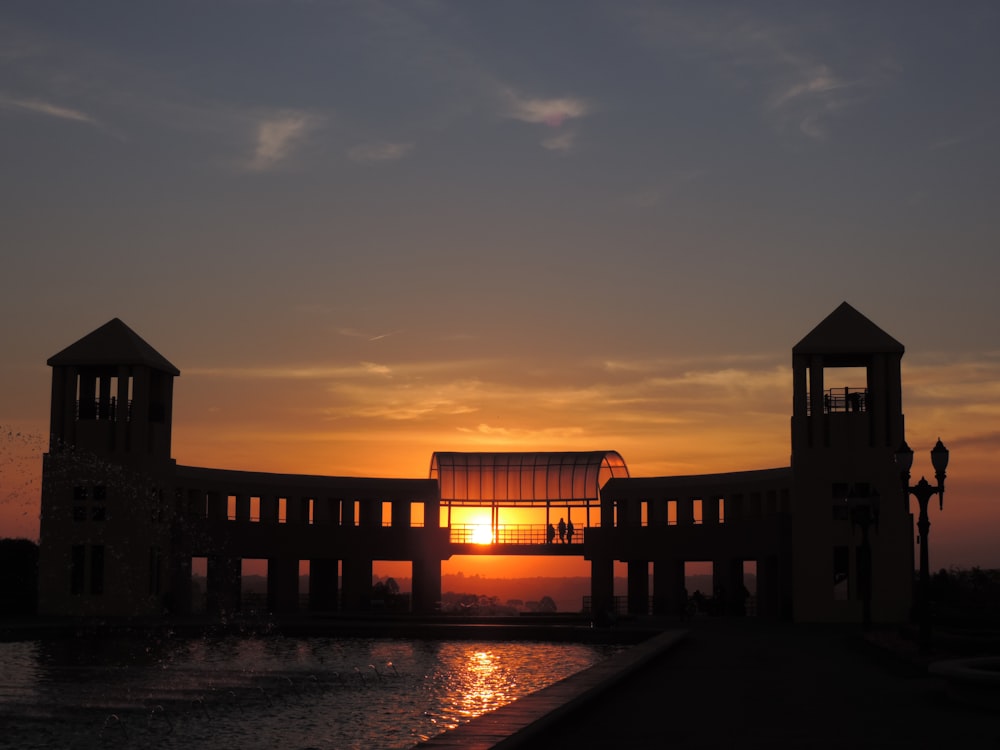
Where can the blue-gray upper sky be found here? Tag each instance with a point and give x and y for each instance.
(399, 210)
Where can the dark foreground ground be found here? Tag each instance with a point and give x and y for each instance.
(743, 684)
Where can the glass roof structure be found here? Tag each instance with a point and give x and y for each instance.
(525, 479)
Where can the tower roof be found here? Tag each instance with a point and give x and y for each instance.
(846, 331)
(114, 343)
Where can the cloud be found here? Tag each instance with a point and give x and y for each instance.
(563, 141)
(550, 112)
(802, 89)
(811, 100)
(47, 109)
(277, 136)
(379, 152)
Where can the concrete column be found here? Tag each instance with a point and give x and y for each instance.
(432, 513)
(768, 588)
(426, 589)
(727, 579)
(269, 509)
(139, 440)
(658, 515)
(638, 587)
(223, 582)
(371, 513)
(121, 410)
(297, 510)
(357, 591)
(282, 585)
(602, 590)
(323, 585)
(817, 431)
(243, 508)
(401, 515)
(217, 506)
(710, 511)
(668, 587)
(178, 600)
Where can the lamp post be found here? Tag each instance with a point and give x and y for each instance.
(923, 491)
(864, 512)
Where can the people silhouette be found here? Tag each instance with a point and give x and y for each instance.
(562, 531)
(550, 533)
(569, 532)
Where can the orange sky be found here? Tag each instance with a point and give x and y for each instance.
(663, 418)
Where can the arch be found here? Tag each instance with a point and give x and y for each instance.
(525, 479)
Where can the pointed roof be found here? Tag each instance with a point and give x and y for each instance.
(846, 331)
(114, 343)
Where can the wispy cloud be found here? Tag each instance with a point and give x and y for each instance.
(355, 333)
(550, 112)
(811, 100)
(379, 152)
(564, 141)
(277, 136)
(803, 90)
(47, 109)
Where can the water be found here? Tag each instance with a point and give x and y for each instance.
(264, 692)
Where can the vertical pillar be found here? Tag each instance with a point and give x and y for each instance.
(217, 510)
(269, 509)
(602, 590)
(668, 587)
(121, 410)
(323, 585)
(768, 588)
(179, 597)
(727, 579)
(638, 587)
(710, 511)
(326, 511)
(282, 585)
(426, 586)
(401, 515)
(658, 514)
(243, 507)
(817, 422)
(357, 591)
(370, 513)
(223, 582)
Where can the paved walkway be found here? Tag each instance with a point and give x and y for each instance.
(741, 684)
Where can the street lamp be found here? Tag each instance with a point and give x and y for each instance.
(863, 508)
(923, 491)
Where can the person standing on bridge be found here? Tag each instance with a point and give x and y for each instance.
(550, 533)
(569, 531)
(562, 531)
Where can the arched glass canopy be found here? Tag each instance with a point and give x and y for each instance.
(525, 479)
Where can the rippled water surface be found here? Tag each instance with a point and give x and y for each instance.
(239, 692)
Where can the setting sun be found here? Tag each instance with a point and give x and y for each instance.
(482, 534)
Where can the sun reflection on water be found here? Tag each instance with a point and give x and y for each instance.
(257, 693)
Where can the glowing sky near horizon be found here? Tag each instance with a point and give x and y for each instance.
(367, 231)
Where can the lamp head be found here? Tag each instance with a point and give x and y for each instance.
(939, 457)
(904, 458)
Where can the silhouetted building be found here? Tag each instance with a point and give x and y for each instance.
(121, 522)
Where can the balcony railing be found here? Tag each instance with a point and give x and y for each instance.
(843, 401)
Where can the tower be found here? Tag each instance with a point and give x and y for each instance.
(852, 541)
(105, 527)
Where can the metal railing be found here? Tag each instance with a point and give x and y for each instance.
(843, 400)
(510, 534)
